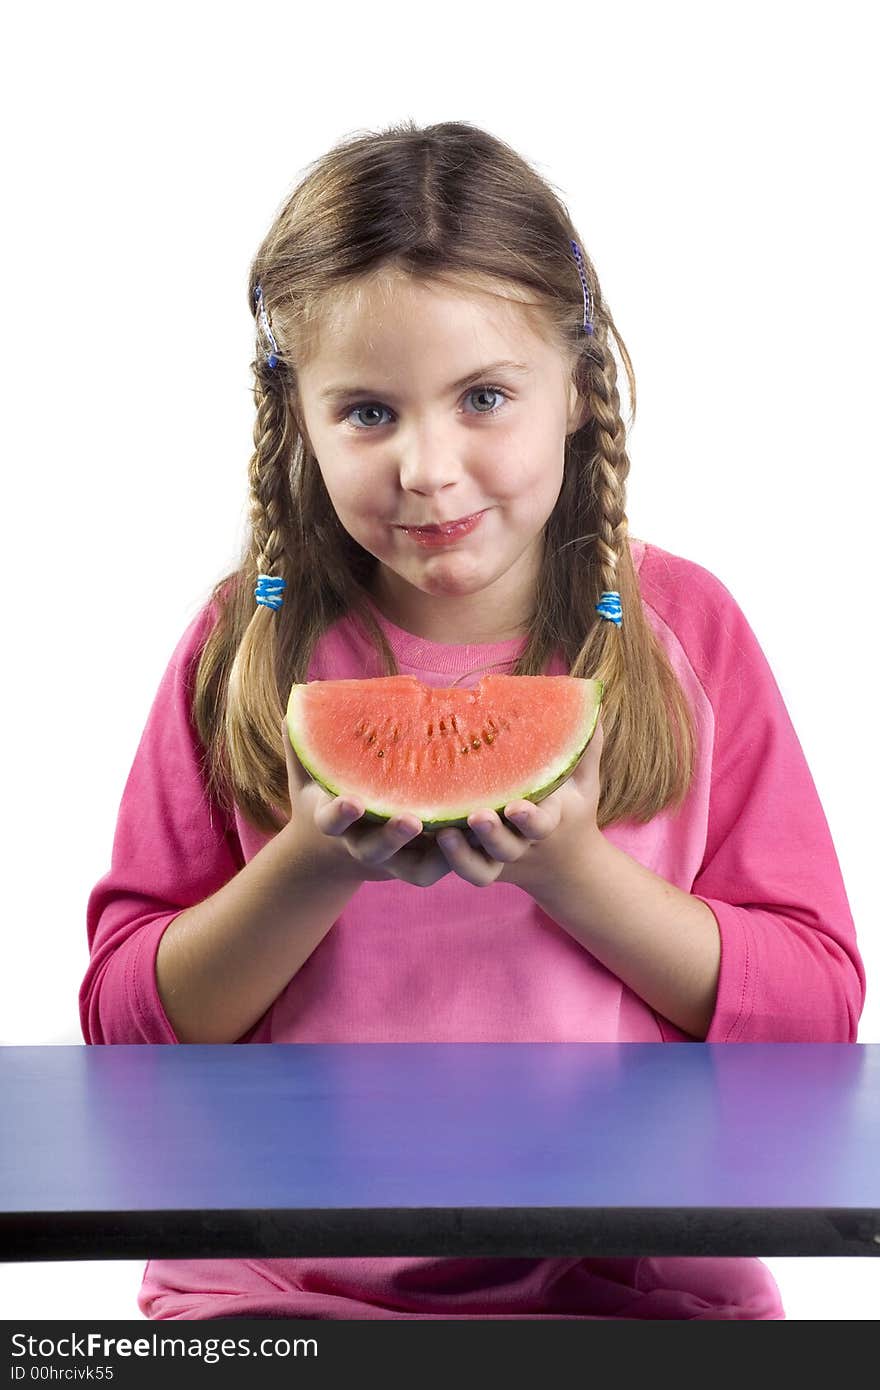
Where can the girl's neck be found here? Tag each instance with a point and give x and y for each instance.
(473, 620)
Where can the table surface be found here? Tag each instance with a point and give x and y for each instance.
(514, 1149)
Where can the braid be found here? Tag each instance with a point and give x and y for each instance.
(253, 708)
(611, 470)
(268, 480)
(644, 705)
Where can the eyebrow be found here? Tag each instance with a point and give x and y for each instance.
(341, 392)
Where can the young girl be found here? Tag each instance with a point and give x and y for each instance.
(433, 344)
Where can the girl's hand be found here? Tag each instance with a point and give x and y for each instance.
(372, 852)
(547, 837)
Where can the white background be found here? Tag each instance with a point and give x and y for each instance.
(719, 162)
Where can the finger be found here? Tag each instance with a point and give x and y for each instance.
(296, 773)
(422, 869)
(476, 866)
(337, 814)
(597, 739)
(535, 822)
(524, 817)
(285, 740)
(503, 842)
(377, 846)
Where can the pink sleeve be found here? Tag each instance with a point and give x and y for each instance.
(172, 848)
(790, 966)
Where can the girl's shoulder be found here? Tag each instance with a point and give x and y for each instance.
(205, 615)
(191, 640)
(696, 609)
(669, 581)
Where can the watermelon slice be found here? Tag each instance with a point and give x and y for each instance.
(403, 747)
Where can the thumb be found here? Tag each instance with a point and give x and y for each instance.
(297, 776)
(593, 752)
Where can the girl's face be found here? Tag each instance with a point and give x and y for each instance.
(423, 406)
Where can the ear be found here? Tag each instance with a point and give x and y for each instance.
(578, 411)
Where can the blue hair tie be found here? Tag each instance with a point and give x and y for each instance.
(271, 357)
(269, 591)
(609, 607)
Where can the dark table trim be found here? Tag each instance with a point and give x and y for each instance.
(536, 1232)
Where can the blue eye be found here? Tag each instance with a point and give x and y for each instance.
(376, 405)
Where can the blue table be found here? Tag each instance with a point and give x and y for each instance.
(513, 1149)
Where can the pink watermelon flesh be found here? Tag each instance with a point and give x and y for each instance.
(440, 754)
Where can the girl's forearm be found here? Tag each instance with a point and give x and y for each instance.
(663, 943)
(222, 963)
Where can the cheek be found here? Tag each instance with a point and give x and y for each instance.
(349, 490)
(368, 513)
(529, 477)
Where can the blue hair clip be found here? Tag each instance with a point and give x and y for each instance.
(610, 607)
(271, 357)
(588, 303)
(270, 591)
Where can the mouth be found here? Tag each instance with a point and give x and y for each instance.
(447, 534)
(444, 527)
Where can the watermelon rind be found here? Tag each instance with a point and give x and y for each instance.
(593, 696)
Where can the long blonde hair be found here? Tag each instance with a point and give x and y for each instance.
(451, 204)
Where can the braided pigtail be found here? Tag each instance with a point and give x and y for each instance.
(253, 709)
(643, 700)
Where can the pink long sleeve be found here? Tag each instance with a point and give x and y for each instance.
(171, 849)
(790, 967)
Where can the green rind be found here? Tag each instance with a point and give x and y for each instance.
(459, 820)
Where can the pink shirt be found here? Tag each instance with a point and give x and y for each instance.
(487, 964)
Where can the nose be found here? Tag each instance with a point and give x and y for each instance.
(428, 460)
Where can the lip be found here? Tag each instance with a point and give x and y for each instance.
(446, 534)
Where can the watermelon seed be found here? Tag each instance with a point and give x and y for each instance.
(488, 737)
(430, 730)
(475, 743)
(381, 753)
(465, 749)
